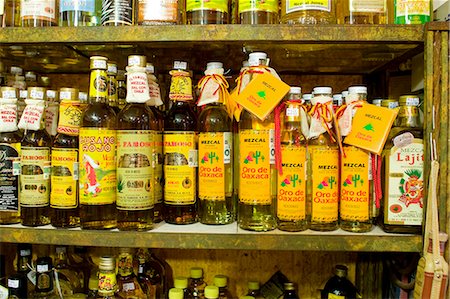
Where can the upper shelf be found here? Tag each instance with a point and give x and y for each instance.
(343, 49)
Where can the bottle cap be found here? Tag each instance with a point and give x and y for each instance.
(341, 270)
(289, 286)
(253, 285)
(8, 92)
(30, 76)
(37, 93)
(137, 60)
(211, 292)
(180, 282)
(44, 81)
(357, 89)
(254, 59)
(150, 68)
(220, 281)
(322, 90)
(307, 97)
(409, 100)
(391, 104)
(196, 272)
(377, 102)
(295, 89)
(112, 69)
(214, 65)
(337, 97)
(98, 63)
(344, 93)
(66, 93)
(107, 263)
(175, 293)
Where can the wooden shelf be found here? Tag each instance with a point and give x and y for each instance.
(199, 236)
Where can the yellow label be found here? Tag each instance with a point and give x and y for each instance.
(125, 264)
(325, 183)
(180, 161)
(98, 86)
(64, 178)
(262, 94)
(291, 191)
(333, 296)
(355, 190)
(214, 153)
(216, 5)
(35, 177)
(69, 117)
(134, 170)
(180, 86)
(254, 167)
(301, 5)
(251, 5)
(370, 127)
(107, 281)
(158, 159)
(97, 166)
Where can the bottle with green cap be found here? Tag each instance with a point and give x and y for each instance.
(196, 283)
(211, 292)
(253, 290)
(176, 293)
(181, 282)
(221, 281)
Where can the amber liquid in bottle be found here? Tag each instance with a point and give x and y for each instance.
(158, 210)
(11, 17)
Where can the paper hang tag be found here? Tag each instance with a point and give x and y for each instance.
(345, 120)
(210, 91)
(323, 107)
(32, 115)
(370, 128)
(180, 86)
(262, 95)
(8, 115)
(137, 85)
(154, 90)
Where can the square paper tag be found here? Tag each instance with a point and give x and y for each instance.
(370, 127)
(262, 95)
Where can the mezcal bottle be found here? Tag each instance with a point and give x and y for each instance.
(98, 154)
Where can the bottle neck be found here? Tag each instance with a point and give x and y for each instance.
(408, 116)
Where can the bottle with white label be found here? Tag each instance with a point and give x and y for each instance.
(308, 12)
(127, 283)
(38, 13)
(215, 173)
(257, 171)
(403, 159)
(79, 12)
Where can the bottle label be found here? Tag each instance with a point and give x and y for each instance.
(355, 185)
(69, 117)
(373, 6)
(214, 153)
(98, 86)
(180, 160)
(324, 181)
(158, 160)
(159, 10)
(291, 191)
(77, 5)
(107, 282)
(250, 5)
(38, 9)
(254, 167)
(33, 115)
(51, 119)
(333, 296)
(135, 180)
(97, 166)
(216, 5)
(300, 5)
(412, 11)
(404, 184)
(64, 178)
(35, 177)
(117, 11)
(180, 86)
(408, 111)
(125, 264)
(8, 115)
(9, 176)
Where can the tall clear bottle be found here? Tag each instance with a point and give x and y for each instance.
(365, 12)
(257, 12)
(257, 172)
(65, 188)
(79, 12)
(308, 12)
(10, 138)
(356, 188)
(292, 214)
(98, 154)
(38, 13)
(323, 163)
(180, 151)
(215, 174)
(35, 161)
(136, 129)
(208, 12)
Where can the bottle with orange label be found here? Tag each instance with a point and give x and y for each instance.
(257, 171)
(323, 163)
(292, 214)
(215, 173)
(180, 150)
(136, 129)
(64, 180)
(97, 153)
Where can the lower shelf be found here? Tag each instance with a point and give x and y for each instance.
(199, 236)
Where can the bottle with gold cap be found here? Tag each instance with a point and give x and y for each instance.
(35, 161)
(196, 283)
(215, 174)
(113, 100)
(180, 150)
(97, 157)
(221, 281)
(10, 148)
(403, 158)
(211, 292)
(127, 282)
(136, 128)
(107, 281)
(176, 293)
(64, 180)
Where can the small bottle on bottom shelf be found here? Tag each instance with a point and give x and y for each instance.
(68, 279)
(221, 281)
(196, 283)
(211, 292)
(107, 281)
(339, 286)
(152, 274)
(289, 291)
(127, 282)
(211, 12)
(254, 290)
(257, 12)
(308, 12)
(181, 282)
(44, 278)
(20, 282)
(175, 293)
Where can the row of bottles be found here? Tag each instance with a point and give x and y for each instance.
(37, 13)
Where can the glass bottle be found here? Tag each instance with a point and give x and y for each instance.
(291, 185)
(79, 12)
(118, 12)
(373, 12)
(211, 292)
(98, 154)
(113, 100)
(196, 283)
(107, 281)
(64, 180)
(20, 282)
(85, 267)
(10, 138)
(152, 275)
(339, 286)
(403, 156)
(38, 13)
(289, 291)
(11, 17)
(356, 188)
(128, 284)
(44, 278)
(181, 282)
(208, 12)
(121, 89)
(412, 11)
(136, 128)
(257, 12)
(69, 281)
(180, 151)
(221, 281)
(17, 286)
(160, 12)
(257, 193)
(253, 290)
(34, 192)
(215, 174)
(175, 293)
(308, 12)
(323, 164)
(51, 113)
